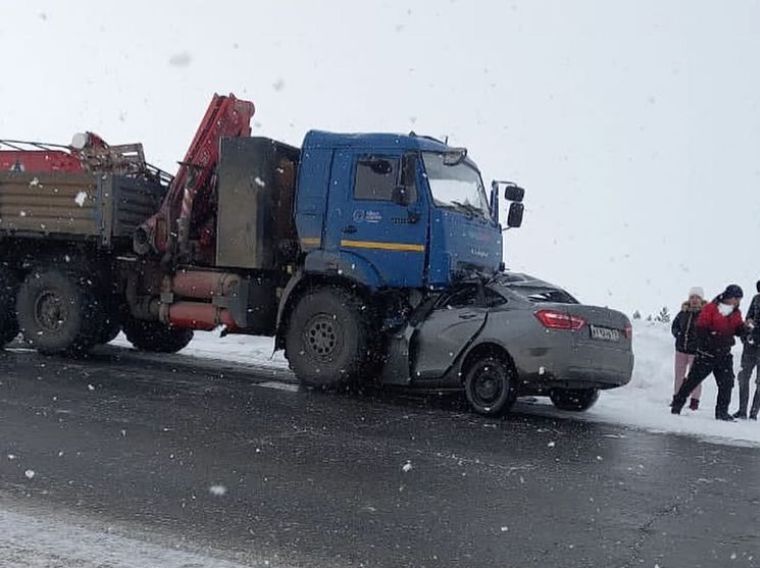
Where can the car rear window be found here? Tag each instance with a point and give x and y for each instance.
(543, 295)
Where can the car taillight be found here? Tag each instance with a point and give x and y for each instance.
(629, 331)
(559, 320)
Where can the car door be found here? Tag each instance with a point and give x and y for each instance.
(384, 220)
(447, 331)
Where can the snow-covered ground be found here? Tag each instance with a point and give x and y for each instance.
(642, 404)
(644, 401)
(34, 537)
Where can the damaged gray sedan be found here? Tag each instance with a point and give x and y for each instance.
(512, 336)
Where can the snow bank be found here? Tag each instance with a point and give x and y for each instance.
(642, 404)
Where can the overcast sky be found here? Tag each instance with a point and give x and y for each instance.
(634, 126)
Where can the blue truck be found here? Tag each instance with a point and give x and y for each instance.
(330, 248)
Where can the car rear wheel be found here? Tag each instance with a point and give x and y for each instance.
(576, 400)
(489, 387)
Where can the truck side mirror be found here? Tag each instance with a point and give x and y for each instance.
(515, 216)
(514, 193)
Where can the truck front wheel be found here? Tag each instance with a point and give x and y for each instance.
(327, 340)
(8, 291)
(156, 337)
(59, 312)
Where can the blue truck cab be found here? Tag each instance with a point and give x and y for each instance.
(394, 211)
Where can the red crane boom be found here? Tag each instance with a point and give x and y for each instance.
(188, 203)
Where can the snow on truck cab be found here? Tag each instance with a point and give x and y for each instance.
(332, 248)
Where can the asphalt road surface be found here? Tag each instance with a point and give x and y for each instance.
(233, 465)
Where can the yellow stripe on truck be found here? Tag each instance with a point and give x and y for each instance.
(311, 241)
(379, 245)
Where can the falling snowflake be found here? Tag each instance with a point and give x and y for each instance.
(182, 59)
(80, 198)
(407, 467)
(218, 490)
(29, 473)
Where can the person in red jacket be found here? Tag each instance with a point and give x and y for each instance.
(718, 323)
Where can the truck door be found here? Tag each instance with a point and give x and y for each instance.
(385, 219)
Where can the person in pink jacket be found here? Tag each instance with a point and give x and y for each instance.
(684, 330)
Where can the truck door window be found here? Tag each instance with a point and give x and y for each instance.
(409, 178)
(376, 178)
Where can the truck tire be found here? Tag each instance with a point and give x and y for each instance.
(156, 337)
(8, 292)
(489, 386)
(327, 339)
(59, 311)
(576, 400)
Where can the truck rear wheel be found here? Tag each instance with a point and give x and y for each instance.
(59, 311)
(8, 292)
(156, 337)
(327, 340)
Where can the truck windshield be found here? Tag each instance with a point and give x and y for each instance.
(458, 186)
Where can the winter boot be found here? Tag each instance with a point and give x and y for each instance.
(676, 406)
(725, 417)
(740, 415)
(694, 404)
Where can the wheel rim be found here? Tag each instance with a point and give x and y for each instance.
(50, 311)
(322, 336)
(487, 385)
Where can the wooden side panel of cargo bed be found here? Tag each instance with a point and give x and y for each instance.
(67, 204)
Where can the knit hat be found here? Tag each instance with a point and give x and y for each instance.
(696, 291)
(732, 291)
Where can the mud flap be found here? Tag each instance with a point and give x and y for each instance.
(397, 366)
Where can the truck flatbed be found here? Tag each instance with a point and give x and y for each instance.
(100, 208)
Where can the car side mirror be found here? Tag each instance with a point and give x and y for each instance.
(515, 216)
(399, 195)
(514, 193)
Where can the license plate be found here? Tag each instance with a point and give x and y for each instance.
(604, 333)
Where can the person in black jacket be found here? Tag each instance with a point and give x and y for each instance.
(750, 360)
(684, 330)
(717, 325)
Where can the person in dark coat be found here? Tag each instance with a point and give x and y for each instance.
(684, 329)
(750, 360)
(717, 325)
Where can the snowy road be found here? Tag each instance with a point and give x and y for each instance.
(125, 461)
